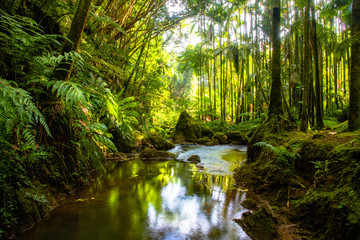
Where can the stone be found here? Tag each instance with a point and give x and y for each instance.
(237, 138)
(259, 225)
(158, 142)
(153, 154)
(194, 159)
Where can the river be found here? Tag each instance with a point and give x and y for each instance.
(154, 200)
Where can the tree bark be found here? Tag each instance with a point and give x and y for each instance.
(354, 105)
(63, 71)
(318, 102)
(304, 123)
(275, 106)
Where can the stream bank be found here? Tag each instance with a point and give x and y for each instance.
(310, 179)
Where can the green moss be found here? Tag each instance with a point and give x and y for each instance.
(220, 137)
(186, 129)
(157, 141)
(159, 155)
(236, 137)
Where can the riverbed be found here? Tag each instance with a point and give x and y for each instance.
(155, 200)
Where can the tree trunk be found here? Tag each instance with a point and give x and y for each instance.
(62, 72)
(318, 102)
(275, 107)
(354, 105)
(304, 123)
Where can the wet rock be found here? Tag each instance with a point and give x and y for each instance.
(152, 154)
(203, 140)
(213, 142)
(259, 225)
(206, 132)
(249, 203)
(221, 137)
(199, 166)
(158, 142)
(237, 137)
(194, 159)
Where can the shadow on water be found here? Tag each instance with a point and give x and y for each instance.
(159, 200)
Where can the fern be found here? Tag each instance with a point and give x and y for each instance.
(68, 92)
(284, 156)
(18, 111)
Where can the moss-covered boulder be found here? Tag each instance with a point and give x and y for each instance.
(236, 137)
(158, 142)
(194, 159)
(260, 225)
(203, 140)
(186, 130)
(153, 154)
(206, 132)
(220, 137)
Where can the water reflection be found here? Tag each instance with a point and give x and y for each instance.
(165, 200)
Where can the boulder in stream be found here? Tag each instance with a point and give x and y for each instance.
(220, 137)
(153, 154)
(188, 130)
(194, 159)
(158, 142)
(236, 137)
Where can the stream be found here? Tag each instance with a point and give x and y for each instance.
(154, 200)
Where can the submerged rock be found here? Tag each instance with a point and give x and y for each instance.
(152, 154)
(194, 159)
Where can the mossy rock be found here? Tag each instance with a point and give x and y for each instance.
(206, 132)
(237, 137)
(194, 159)
(213, 142)
(158, 142)
(259, 225)
(186, 129)
(153, 154)
(203, 140)
(221, 137)
(121, 144)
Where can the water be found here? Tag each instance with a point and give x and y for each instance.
(158, 200)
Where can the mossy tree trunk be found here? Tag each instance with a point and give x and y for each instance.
(74, 36)
(319, 118)
(304, 123)
(276, 106)
(354, 105)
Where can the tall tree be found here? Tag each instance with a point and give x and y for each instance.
(276, 106)
(319, 104)
(354, 105)
(304, 123)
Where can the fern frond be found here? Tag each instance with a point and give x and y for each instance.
(69, 92)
